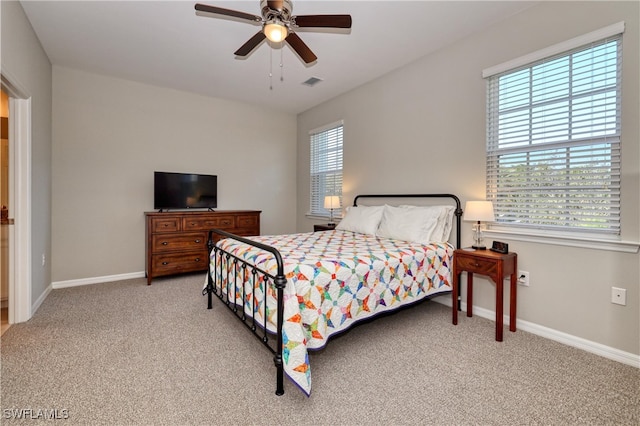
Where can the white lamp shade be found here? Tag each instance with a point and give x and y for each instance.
(331, 202)
(481, 211)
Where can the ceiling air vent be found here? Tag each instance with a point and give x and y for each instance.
(312, 81)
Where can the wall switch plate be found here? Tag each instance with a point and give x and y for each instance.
(619, 296)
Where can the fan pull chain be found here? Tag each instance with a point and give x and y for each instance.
(281, 64)
(270, 69)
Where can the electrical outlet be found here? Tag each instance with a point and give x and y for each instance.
(44, 259)
(619, 296)
(523, 278)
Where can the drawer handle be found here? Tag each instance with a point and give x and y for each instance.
(197, 259)
(165, 263)
(166, 224)
(197, 241)
(193, 224)
(164, 243)
(477, 265)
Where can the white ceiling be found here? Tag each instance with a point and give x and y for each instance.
(165, 43)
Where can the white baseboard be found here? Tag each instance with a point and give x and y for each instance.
(97, 280)
(558, 336)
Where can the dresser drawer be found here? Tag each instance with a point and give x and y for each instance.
(247, 221)
(183, 241)
(166, 224)
(173, 263)
(207, 223)
(475, 265)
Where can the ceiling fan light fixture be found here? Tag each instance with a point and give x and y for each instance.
(275, 31)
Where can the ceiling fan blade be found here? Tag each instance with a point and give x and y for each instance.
(322, 21)
(275, 4)
(251, 44)
(300, 48)
(227, 12)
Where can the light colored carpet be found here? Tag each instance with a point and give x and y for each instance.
(128, 353)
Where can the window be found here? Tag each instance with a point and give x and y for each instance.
(326, 166)
(553, 141)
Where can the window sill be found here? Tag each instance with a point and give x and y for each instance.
(566, 240)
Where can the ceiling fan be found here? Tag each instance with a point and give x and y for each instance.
(278, 25)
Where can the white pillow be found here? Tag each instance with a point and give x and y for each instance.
(362, 219)
(442, 232)
(448, 219)
(409, 224)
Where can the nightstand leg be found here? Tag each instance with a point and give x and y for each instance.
(469, 294)
(513, 302)
(454, 297)
(499, 306)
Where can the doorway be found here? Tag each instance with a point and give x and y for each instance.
(18, 223)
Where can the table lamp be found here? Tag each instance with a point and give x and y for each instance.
(331, 202)
(478, 211)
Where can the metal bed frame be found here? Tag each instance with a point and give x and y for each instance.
(279, 281)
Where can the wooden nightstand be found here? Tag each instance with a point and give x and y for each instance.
(494, 265)
(324, 227)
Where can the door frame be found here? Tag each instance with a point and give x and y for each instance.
(19, 199)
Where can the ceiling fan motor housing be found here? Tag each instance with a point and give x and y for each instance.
(280, 10)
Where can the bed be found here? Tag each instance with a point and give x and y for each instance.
(379, 259)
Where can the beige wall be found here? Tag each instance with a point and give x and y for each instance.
(109, 136)
(422, 129)
(24, 60)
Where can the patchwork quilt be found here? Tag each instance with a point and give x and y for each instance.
(334, 279)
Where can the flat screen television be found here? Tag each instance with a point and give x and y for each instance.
(184, 191)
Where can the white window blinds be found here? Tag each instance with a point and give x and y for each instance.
(326, 166)
(553, 141)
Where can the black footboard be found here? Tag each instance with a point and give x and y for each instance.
(230, 270)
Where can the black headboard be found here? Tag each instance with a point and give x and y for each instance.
(457, 212)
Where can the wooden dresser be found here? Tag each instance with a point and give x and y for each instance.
(177, 241)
